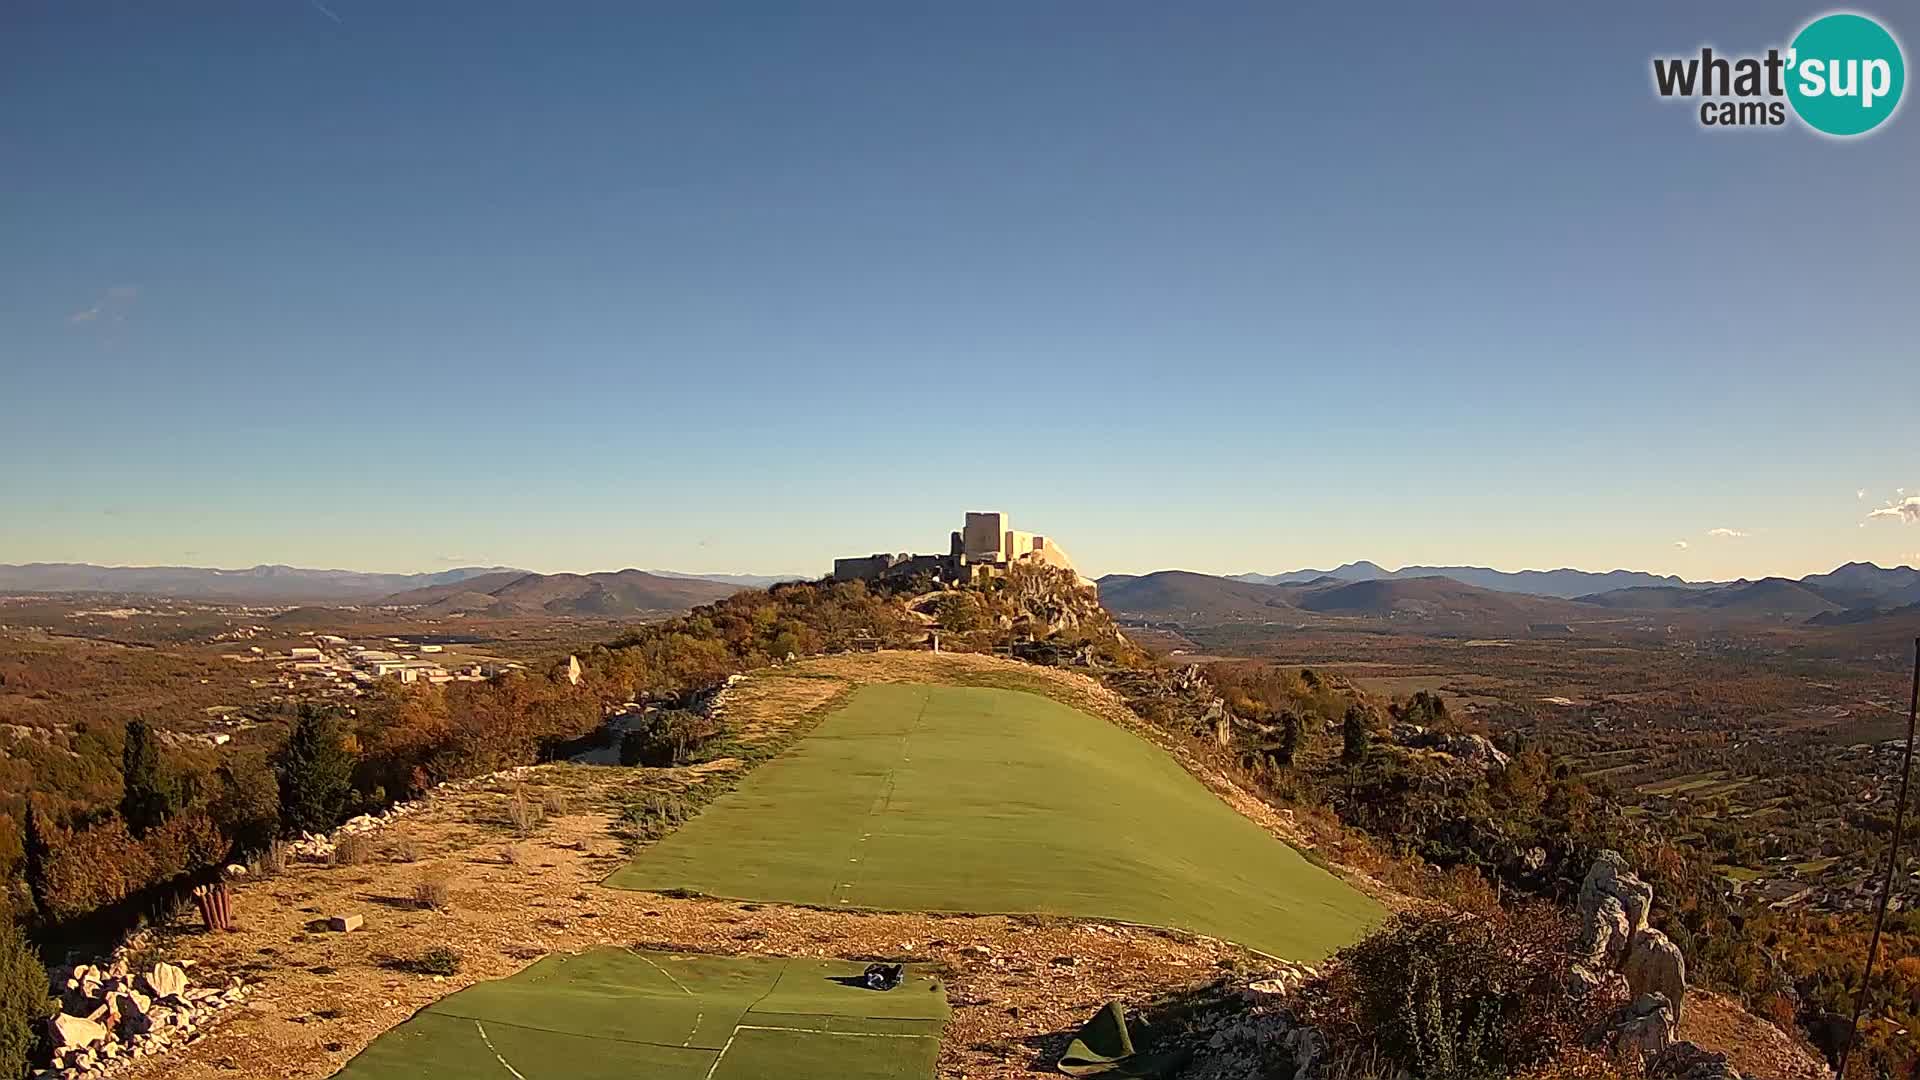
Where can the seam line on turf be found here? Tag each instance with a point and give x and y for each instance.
(496, 1053)
(883, 799)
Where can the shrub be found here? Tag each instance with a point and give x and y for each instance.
(434, 891)
(522, 812)
(352, 851)
(654, 814)
(149, 796)
(183, 844)
(668, 738)
(316, 773)
(90, 869)
(438, 960)
(554, 802)
(1458, 997)
(23, 997)
(406, 850)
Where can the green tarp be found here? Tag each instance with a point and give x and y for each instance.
(970, 799)
(670, 1016)
(1105, 1047)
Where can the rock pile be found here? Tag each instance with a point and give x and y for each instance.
(112, 1015)
(1267, 1038)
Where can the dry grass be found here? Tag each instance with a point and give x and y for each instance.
(434, 890)
(352, 851)
(270, 862)
(522, 812)
(405, 850)
(554, 803)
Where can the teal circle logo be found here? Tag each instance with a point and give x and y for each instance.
(1845, 73)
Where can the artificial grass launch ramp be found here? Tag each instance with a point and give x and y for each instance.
(965, 799)
(664, 1016)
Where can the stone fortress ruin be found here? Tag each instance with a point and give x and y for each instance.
(985, 547)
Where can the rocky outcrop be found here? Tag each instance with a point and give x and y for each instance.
(1612, 911)
(1473, 749)
(1609, 877)
(1685, 1061)
(1654, 966)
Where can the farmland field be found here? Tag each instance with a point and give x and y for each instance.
(620, 1013)
(952, 799)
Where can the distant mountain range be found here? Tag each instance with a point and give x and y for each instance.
(288, 584)
(1198, 599)
(516, 592)
(1566, 584)
(1853, 594)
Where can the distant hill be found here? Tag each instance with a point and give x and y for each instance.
(260, 584)
(617, 594)
(1565, 584)
(745, 581)
(1181, 594)
(1774, 596)
(1439, 602)
(1865, 585)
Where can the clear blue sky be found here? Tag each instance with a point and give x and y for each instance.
(1229, 287)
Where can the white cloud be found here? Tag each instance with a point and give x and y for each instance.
(1860, 493)
(1907, 510)
(1726, 533)
(1681, 544)
(112, 305)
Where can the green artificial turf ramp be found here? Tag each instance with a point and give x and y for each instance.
(667, 1016)
(967, 799)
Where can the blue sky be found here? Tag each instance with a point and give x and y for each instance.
(716, 287)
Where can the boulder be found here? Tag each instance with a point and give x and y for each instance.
(75, 1032)
(132, 1010)
(1643, 1030)
(1654, 966)
(166, 981)
(346, 923)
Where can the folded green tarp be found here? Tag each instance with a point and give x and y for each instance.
(1105, 1047)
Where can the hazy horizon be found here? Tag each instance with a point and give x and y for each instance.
(370, 285)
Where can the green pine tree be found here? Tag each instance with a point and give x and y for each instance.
(1356, 733)
(316, 773)
(34, 843)
(149, 795)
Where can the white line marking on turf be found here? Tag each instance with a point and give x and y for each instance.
(496, 1053)
(721, 1054)
(663, 971)
(849, 1034)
